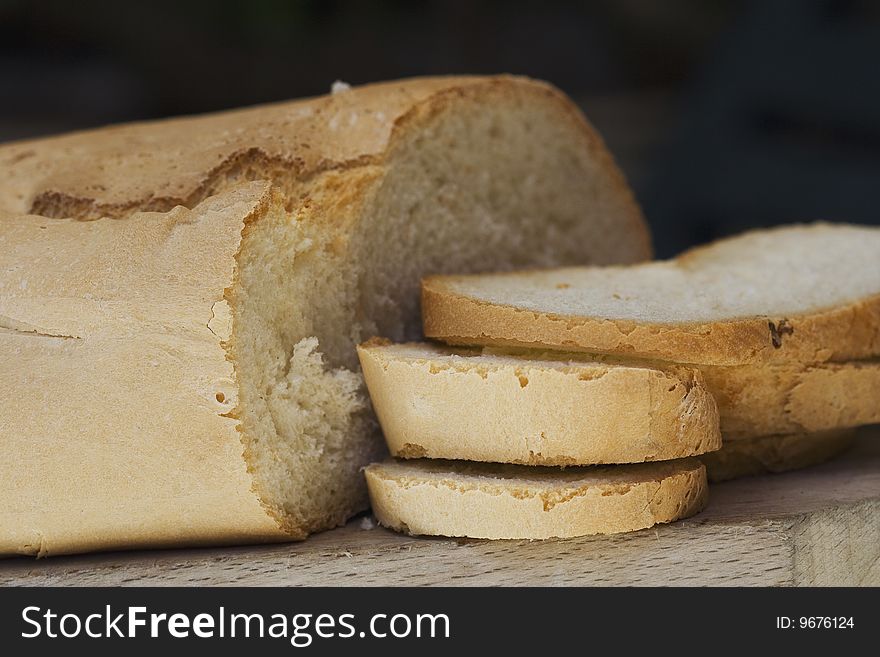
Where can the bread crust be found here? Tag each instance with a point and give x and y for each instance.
(762, 400)
(449, 498)
(157, 165)
(752, 401)
(120, 429)
(434, 403)
(769, 454)
(846, 332)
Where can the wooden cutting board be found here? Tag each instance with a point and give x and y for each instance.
(819, 526)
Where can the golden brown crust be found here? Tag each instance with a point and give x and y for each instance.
(769, 454)
(837, 334)
(156, 165)
(449, 498)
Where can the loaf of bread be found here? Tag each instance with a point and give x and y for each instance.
(487, 500)
(803, 293)
(184, 376)
(766, 454)
(436, 402)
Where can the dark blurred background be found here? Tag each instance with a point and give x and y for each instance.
(724, 114)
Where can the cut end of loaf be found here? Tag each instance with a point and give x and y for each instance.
(305, 422)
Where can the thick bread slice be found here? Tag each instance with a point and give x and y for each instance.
(373, 188)
(482, 500)
(806, 293)
(438, 403)
(767, 454)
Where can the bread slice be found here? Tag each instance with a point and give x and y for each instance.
(790, 398)
(461, 404)
(371, 189)
(768, 454)
(482, 500)
(805, 293)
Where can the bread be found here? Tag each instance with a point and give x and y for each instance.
(371, 189)
(766, 454)
(803, 293)
(482, 500)
(790, 398)
(435, 402)
(122, 384)
(758, 399)
(428, 403)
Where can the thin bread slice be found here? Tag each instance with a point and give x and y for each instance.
(438, 403)
(807, 293)
(482, 500)
(768, 454)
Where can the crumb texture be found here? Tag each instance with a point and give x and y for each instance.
(772, 273)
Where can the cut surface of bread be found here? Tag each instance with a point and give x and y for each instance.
(484, 500)
(770, 454)
(805, 293)
(371, 189)
(436, 402)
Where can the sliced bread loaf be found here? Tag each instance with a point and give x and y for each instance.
(806, 293)
(767, 454)
(436, 402)
(372, 188)
(484, 500)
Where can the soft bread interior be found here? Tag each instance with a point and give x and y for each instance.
(486, 186)
(786, 271)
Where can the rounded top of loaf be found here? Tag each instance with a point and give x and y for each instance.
(157, 165)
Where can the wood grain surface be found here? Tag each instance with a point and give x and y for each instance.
(819, 526)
